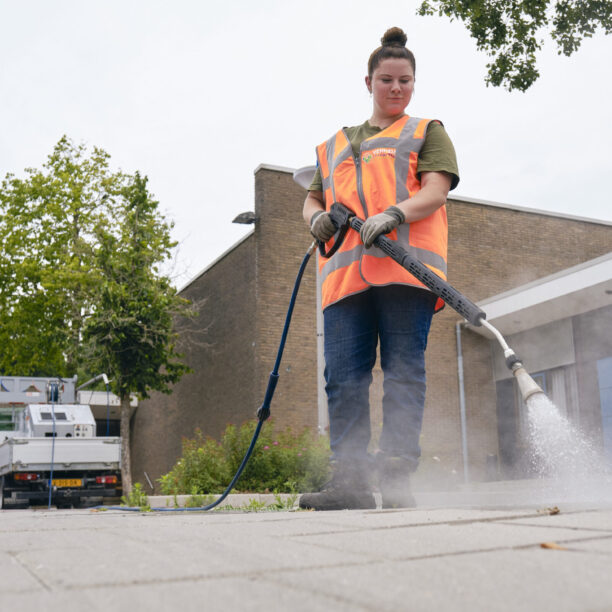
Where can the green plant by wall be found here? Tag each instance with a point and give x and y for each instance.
(282, 462)
(202, 468)
(137, 498)
(196, 500)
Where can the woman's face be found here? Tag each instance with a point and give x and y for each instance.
(391, 86)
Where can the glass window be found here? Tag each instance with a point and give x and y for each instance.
(604, 376)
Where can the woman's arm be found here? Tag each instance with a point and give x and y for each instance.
(314, 202)
(434, 189)
(433, 193)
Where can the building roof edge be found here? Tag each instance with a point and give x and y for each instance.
(590, 264)
(274, 168)
(562, 295)
(534, 211)
(217, 260)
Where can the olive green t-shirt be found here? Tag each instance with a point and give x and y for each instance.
(437, 153)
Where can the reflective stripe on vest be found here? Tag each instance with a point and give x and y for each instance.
(383, 174)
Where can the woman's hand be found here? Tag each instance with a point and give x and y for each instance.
(321, 226)
(382, 223)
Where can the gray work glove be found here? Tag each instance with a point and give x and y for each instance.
(382, 223)
(321, 226)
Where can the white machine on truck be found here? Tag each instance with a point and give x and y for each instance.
(48, 444)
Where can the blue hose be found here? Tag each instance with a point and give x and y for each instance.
(50, 484)
(263, 411)
(53, 397)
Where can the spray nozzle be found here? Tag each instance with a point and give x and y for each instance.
(512, 361)
(527, 386)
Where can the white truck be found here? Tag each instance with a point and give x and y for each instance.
(53, 445)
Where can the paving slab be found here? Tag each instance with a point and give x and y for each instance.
(437, 558)
(533, 579)
(419, 542)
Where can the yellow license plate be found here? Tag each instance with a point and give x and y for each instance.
(67, 482)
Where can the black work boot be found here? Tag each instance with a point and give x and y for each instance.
(348, 489)
(394, 481)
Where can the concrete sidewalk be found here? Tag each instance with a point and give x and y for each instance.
(462, 558)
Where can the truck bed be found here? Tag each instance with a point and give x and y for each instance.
(32, 454)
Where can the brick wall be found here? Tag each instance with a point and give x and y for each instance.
(282, 239)
(219, 345)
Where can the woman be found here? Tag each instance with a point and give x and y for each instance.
(394, 171)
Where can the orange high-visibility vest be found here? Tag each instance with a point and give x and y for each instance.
(382, 175)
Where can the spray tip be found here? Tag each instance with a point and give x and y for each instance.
(527, 386)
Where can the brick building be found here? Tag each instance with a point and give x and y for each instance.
(495, 252)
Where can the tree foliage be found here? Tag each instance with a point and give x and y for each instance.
(47, 278)
(512, 31)
(131, 330)
(82, 290)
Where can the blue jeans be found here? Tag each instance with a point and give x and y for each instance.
(400, 316)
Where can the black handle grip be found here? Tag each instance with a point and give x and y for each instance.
(339, 237)
(456, 300)
(340, 216)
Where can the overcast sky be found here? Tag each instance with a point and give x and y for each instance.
(197, 94)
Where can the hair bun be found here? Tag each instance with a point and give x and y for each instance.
(394, 36)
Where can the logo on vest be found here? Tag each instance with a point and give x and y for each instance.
(382, 152)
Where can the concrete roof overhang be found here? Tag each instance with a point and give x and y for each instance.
(571, 292)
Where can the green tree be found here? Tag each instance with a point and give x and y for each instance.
(82, 289)
(47, 277)
(511, 31)
(131, 331)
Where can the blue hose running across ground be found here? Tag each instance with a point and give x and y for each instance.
(262, 413)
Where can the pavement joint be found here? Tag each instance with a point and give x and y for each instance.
(569, 527)
(334, 597)
(15, 556)
(253, 574)
(263, 576)
(565, 541)
(533, 545)
(410, 525)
